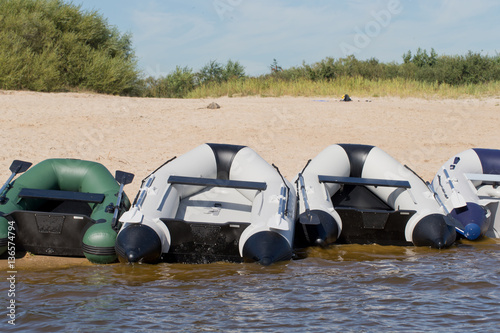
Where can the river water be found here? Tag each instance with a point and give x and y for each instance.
(346, 288)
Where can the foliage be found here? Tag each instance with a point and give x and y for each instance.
(182, 81)
(355, 86)
(175, 85)
(233, 70)
(275, 68)
(421, 58)
(473, 68)
(217, 72)
(421, 74)
(50, 45)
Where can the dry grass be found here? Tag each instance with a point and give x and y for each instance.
(355, 86)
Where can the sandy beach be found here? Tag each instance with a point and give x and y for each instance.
(137, 135)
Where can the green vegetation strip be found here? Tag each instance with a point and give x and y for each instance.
(51, 45)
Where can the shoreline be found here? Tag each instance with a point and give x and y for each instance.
(138, 135)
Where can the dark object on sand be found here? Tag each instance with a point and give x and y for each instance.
(346, 98)
(213, 105)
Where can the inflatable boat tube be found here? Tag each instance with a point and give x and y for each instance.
(64, 207)
(360, 194)
(467, 186)
(215, 203)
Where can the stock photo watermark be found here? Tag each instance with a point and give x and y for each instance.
(94, 142)
(156, 72)
(11, 275)
(372, 29)
(224, 8)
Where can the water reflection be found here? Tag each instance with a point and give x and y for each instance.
(343, 288)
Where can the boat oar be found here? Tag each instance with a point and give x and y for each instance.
(123, 178)
(456, 199)
(306, 218)
(16, 167)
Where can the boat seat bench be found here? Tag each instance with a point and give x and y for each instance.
(237, 184)
(489, 179)
(33, 193)
(364, 181)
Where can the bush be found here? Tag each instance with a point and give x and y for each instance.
(472, 68)
(218, 73)
(49, 45)
(175, 85)
(233, 70)
(421, 66)
(182, 81)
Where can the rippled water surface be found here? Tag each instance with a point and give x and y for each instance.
(347, 288)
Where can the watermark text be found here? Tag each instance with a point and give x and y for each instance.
(11, 274)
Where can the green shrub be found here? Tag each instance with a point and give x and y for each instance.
(218, 73)
(175, 85)
(211, 72)
(50, 45)
(233, 70)
(421, 66)
(182, 81)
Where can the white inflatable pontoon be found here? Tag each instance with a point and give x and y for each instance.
(467, 186)
(215, 203)
(359, 194)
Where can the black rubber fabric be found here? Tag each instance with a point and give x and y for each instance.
(357, 156)
(138, 243)
(490, 160)
(266, 247)
(321, 234)
(224, 155)
(433, 231)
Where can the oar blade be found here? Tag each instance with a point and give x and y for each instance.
(18, 166)
(123, 177)
(132, 216)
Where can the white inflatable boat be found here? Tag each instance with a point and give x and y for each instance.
(215, 203)
(359, 194)
(467, 186)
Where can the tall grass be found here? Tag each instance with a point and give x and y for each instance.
(354, 86)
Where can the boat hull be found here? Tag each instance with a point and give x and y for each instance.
(64, 207)
(372, 198)
(206, 206)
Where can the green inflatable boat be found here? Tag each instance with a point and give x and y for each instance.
(63, 207)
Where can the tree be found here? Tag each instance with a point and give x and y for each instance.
(218, 73)
(50, 45)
